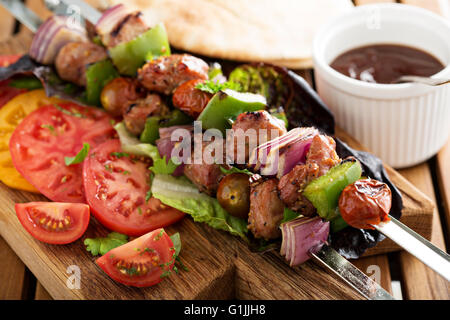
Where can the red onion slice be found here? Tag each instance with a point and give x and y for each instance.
(301, 235)
(52, 35)
(280, 155)
(166, 145)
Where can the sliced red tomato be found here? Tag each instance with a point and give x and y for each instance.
(46, 136)
(142, 262)
(116, 186)
(53, 222)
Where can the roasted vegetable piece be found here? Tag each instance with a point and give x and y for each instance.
(324, 191)
(54, 34)
(117, 94)
(131, 55)
(226, 105)
(234, 194)
(365, 202)
(98, 75)
(189, 99)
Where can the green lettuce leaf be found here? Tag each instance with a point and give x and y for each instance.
(101, 245)
(132, 145)
(181, 194)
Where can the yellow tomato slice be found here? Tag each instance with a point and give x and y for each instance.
(11, 114)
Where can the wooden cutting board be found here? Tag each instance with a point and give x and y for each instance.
(220, 266)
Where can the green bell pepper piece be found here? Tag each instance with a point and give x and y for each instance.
(152, 125)
(128, 57)
(226, 105)
(97, 76)
(338, 223)
(324, 191)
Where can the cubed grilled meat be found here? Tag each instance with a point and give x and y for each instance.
(166, 73)
(291, 186)
(131, 26)
(321, 157)
(206, 175)
(323, 153)
(266, 209)
(74, 57)
(138, 111)
(252, 129)
(189, 99)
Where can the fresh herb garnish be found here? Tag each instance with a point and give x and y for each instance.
(162, 166)
(101, 246)
(214, 87)
(81, 155)
(49, 127)
(73, 112)
(119, 154)
(235, 170)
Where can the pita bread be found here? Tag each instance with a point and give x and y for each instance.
(279, 32)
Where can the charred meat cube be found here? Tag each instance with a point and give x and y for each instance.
(291, 186)
(138, 111)
(206, 175)
(250, 129)
(166, 73)
(321, 157)
(266, 209)
(323, 153)
(73, 59)
(128, 28)
(190, 100)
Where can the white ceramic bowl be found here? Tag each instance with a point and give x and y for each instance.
(403, 124)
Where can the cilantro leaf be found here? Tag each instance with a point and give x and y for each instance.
(162, 166)
(81, 155)
(101, 246)
(214, 87)
(235, 170)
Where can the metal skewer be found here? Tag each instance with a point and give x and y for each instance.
(418, 246)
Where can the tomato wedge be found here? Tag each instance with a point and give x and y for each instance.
(116, 186)
(46, 136)
(53, 222)
(142, 262)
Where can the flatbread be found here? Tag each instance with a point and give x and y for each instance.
(278, 31)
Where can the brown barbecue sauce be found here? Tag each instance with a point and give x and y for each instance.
(384, 63)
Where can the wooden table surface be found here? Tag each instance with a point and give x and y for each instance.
(431, 177)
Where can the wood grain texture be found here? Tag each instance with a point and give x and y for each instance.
(12, 277)
(41, 293)
(443, 173)
(419, 281)
(7, 24)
